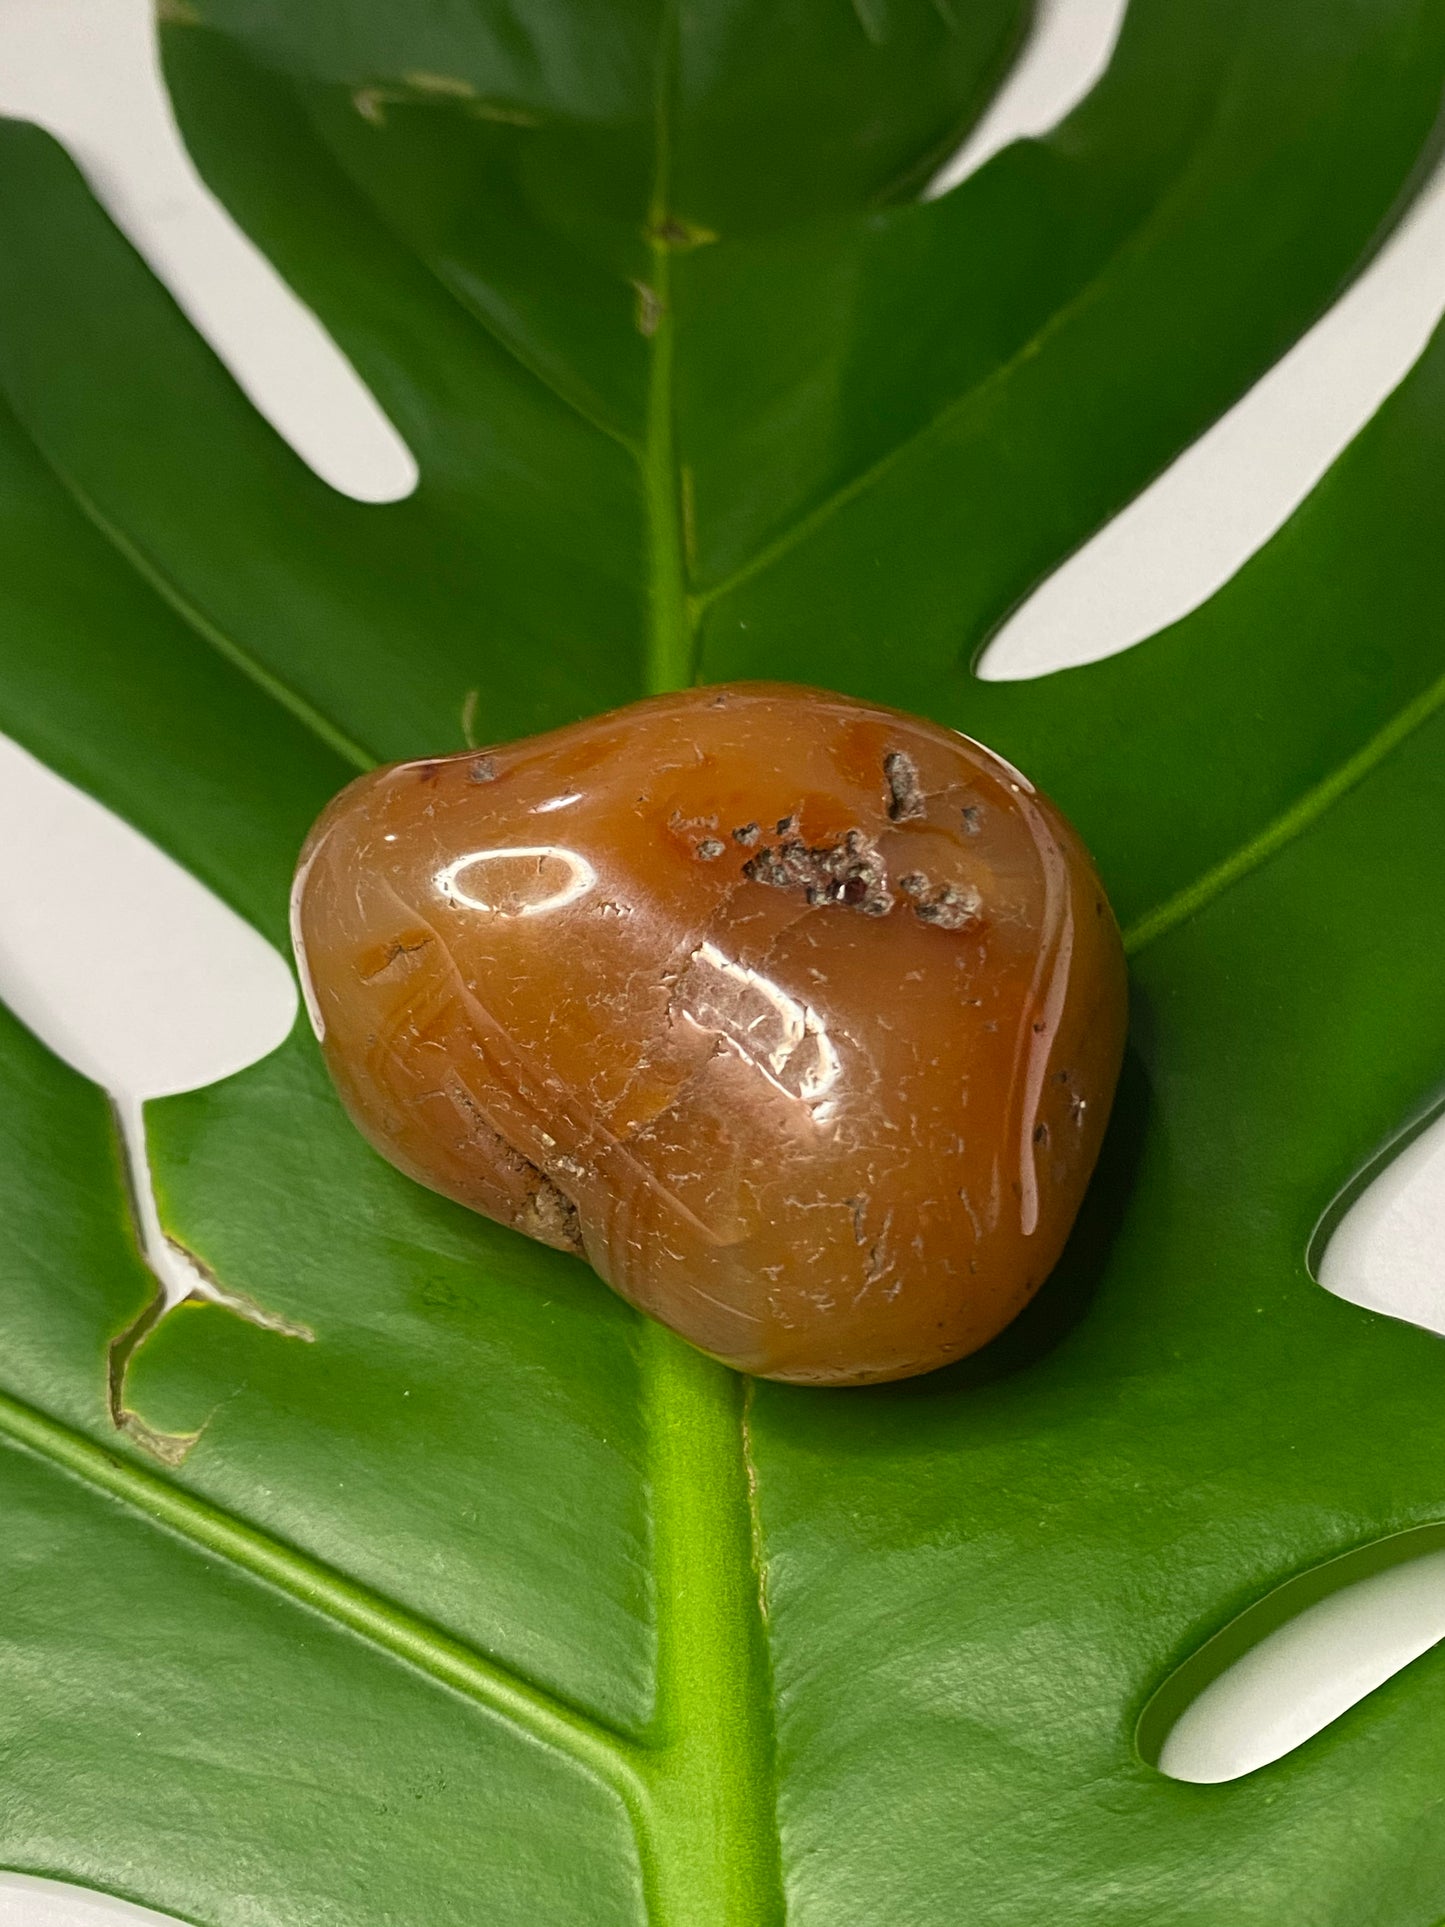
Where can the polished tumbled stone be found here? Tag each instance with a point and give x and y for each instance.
(798, 1018)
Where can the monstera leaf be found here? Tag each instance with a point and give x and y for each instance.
(441, 1588)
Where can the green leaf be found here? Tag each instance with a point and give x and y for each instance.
(423, 1581)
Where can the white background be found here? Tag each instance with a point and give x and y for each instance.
(192, 994)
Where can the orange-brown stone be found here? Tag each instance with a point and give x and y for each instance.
(798, 1018)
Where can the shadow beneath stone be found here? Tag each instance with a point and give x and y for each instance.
(1070, 1288)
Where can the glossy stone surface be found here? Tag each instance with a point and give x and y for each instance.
(798, 1018)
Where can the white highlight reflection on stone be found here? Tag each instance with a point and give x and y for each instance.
(1302, 1677)
(86, 71)
(768, 1028)
(510, 893)
(29, 1902)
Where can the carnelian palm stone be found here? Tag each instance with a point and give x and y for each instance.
(798, 1018)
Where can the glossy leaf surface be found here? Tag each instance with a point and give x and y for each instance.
(441, 1603)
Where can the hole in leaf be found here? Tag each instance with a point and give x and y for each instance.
(121, 961)
(1225, 496)
(127, 967)
(87, 72)
(1068, 48)
(26, 1901)
(1381, 1243)
(1298, 1659)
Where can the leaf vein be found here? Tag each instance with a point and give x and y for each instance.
(197, 621)
(1288, 826)
(509, 1696)
(457, 292)
(1132, 243)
